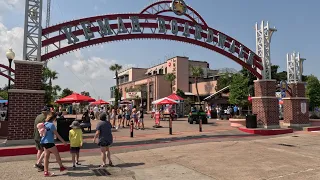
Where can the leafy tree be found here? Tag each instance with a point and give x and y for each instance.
(85, 93)
(4, 94)
(170, 77)
(196, 73)
(239, 90)
(51, 92)
(66, 92)
(116, 68)
(313, 91)
(223, 81)
(181, 93)
(250, 78)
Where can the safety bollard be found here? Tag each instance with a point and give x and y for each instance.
(131, 129)
(200, 124)
(170, 126)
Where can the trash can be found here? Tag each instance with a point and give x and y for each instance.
(63, 127)
(251, 121)
(213, 114)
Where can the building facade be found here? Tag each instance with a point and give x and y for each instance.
(144, 85)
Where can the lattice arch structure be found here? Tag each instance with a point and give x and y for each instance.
(4, 69)
(161, 7)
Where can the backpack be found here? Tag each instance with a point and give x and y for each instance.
(41, 129)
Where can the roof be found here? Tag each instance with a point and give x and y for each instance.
(218, 92)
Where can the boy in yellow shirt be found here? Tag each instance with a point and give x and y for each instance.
(75, 137)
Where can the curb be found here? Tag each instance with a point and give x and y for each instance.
(266, 132)
(29, 150)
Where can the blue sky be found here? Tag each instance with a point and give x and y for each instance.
(297, 22)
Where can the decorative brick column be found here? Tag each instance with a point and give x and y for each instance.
(25, 100)
(296, 107)
(265, 104)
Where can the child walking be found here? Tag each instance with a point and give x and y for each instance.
(75, 137)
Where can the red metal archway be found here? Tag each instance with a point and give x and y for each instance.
(6, 69)
(148, 20)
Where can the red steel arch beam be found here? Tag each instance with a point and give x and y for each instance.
(6, 76)
(61, 37)
(7, 68)
(188, 7)
(151, 36)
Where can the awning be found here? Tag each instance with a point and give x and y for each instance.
(218, 92)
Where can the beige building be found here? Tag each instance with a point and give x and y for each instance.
(144, 85)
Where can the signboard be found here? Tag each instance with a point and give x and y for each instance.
(283, 86)
(303, 107)
(133, 95)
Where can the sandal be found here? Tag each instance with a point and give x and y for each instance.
(103, 165)
(47, 174)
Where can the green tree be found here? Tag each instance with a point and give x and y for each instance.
(4, 94)
(181, 93)
(250, 78)
(196, 73)
(313, 91)
(170, 77)
(51, 92)
(116, 68)
(66, 92)
(239, 90)
(85, 93)
(223, 81)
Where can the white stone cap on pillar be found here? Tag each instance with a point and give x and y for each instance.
(28, 62)
(264, 80)
(265, 97)
(288, 98)
(26, 91)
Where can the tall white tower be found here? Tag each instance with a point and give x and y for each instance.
(263, 41)
(294, 67)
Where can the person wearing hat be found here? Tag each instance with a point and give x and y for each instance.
(36, 136)
(75, 138)
(104, 133)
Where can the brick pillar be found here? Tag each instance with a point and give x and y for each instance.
(296, 107)
(25, 100)
(265, 104)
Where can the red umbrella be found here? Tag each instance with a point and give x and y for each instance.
(99, 102)
(175, 97)
(75, 98)
(166, 101)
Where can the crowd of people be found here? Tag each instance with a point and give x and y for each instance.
(120, 117)
(45, 131)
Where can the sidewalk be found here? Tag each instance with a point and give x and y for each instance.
(181, 130)
(282, 158)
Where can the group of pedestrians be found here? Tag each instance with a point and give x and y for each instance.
(45, 131)
(122, 116)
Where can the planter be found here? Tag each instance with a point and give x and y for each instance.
(314, 122)
(237, 122)
(4, 128)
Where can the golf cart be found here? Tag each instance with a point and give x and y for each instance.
(196, 113)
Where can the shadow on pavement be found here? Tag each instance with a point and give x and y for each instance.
(126, 165)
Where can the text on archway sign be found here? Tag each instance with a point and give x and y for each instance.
(106, 30)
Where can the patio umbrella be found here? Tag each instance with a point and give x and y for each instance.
(166, 101)
(75, 98)
(165, 98)
(175, 97)
(99, 102)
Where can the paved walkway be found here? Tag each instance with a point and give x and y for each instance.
(286, 157)
(180, 129)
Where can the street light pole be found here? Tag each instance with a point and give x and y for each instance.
(10, 56)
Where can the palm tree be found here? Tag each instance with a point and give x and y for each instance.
(170, 77)
(50, 75)
(196, 73)
(55, 90)
(116, 68)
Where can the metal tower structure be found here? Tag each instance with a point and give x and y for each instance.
(48, 21)
(32, 30)
(263, 41)
(294, 67)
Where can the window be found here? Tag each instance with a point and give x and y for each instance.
(165, 70)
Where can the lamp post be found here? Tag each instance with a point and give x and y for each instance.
(10, 56)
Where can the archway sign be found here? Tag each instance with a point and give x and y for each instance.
(186, 26)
